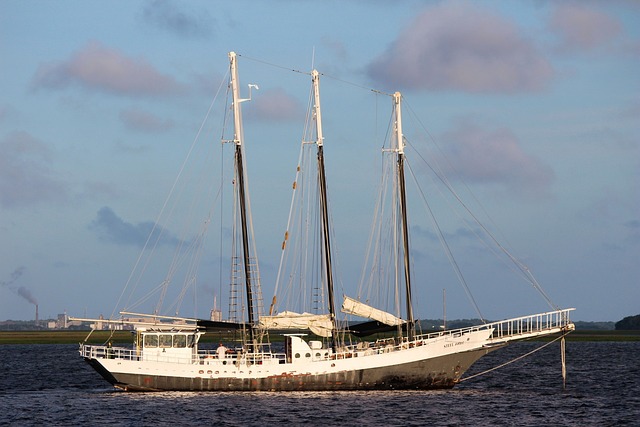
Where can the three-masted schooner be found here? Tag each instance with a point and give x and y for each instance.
(166, 354)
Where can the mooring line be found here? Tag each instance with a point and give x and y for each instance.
(511, 361)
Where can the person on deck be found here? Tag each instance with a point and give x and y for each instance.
(222, 351)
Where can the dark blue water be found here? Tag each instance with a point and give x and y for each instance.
(51, 385)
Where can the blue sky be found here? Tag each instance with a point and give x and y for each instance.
(536, 103)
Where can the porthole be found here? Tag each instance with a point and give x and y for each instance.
(297, 356)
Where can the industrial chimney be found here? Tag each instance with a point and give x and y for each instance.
(36, 313)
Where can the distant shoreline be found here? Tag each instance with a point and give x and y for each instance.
(99, 337)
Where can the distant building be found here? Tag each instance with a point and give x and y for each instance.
(99, 325)
(62, 321)
(216, 315)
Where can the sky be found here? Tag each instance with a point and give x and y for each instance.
(535, 103)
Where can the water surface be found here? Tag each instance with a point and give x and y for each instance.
(52, 385)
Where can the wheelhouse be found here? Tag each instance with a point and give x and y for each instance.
(164, 345)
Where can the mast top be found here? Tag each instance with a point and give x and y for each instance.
(315, 78)
(398, 122)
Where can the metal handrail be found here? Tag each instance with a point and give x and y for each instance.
(524, 325)
(503, 330)
(123, 353)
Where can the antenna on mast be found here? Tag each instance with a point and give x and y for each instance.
(251, 85)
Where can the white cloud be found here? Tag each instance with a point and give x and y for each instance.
(99, 67)
(460, 46)
(495, 156)
(581, 27)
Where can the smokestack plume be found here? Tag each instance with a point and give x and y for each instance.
(26, 294)
(22, 291)
(14, 276)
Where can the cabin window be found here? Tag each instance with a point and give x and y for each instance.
(191, 340)
(297, 356)
(307, 355)
(150, 341)
(179, 341)
(165, 341)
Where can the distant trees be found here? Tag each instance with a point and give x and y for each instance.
(629, 323)
(594, 326)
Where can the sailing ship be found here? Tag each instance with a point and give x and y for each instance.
(320, 351)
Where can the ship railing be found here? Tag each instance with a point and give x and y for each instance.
(124, 353)
(239, 356)
(201, 357)
(517, 328)
(532, 326)
(108, 352)
(504, 330)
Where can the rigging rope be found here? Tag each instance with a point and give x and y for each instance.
(528, 276)
(524, 270)
(298, 188)
(164, 206)
(379, 266)
(322, 74)
(513, 360)
(445, 245)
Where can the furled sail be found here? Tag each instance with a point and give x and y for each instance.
(319, 324)
(355, 307)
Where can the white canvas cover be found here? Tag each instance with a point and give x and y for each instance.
(319, 324)
(352, 306)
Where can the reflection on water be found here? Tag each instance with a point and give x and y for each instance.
(50, 384)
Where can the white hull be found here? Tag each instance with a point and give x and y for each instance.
(434, 363)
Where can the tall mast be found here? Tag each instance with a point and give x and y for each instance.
(238, 139)
(315, 77)
(403, 211)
